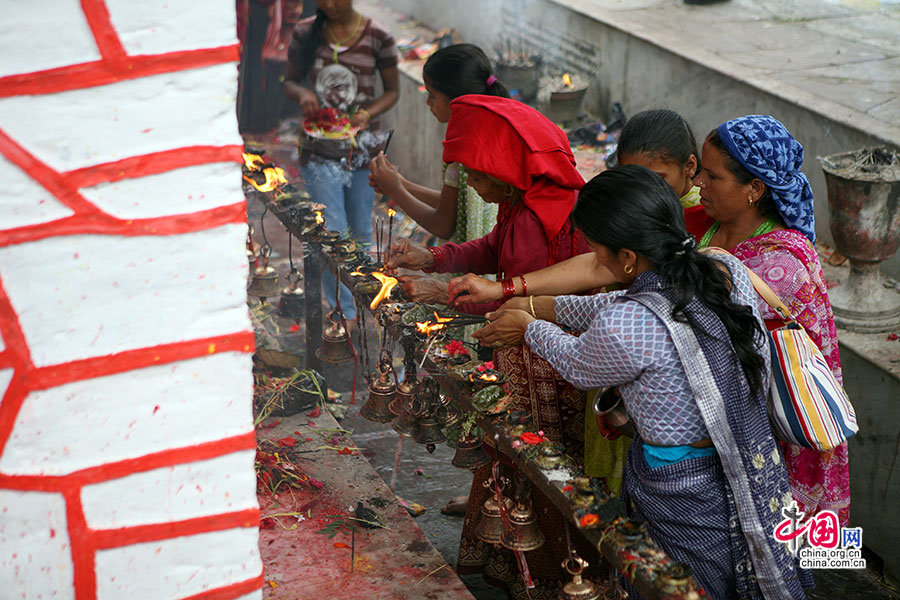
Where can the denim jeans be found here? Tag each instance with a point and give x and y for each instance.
(349, 201)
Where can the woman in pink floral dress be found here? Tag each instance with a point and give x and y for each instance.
(762, 203)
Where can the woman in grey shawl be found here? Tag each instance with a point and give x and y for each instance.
(685, 347)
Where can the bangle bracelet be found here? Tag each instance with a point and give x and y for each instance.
(531, 305)
(437, 254)
(524, 287)
(509, 288)
(365, 112)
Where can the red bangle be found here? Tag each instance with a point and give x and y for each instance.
(438, 255)
(509, 288)
(524, 287)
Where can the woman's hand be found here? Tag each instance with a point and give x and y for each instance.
(420, 288)
(361, 119)
(409, 256)
(471, 288)
(309, 103)
(507, 328)
(386, 177)
(539, 307)
(607, 430)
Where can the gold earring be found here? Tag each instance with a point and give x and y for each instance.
(510, 191)
(629, 269)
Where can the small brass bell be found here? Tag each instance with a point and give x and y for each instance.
(381, 392)
(578, 588)
(520, 532)
(470, 453)
(405, 423)
(252, 247)
(675, 577)
(264, 280)
(490, 527)
(293, 302)
(335, 347)
(430, 432)
(401, 401)
(447, 414)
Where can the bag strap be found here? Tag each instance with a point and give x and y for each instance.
(761, 287)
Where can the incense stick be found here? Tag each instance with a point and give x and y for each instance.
(388, 142)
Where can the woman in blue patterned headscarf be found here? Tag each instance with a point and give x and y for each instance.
(762, 203)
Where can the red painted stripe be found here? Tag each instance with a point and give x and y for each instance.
(83, 554)
(126, 536)
(152, 164)
(122, 468)
(96, 73)
(48, 178)
(106, 225)
(105, 35)
(89, 368)
(230, 592)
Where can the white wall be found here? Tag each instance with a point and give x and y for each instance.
(126, 435)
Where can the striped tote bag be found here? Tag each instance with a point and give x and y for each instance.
(807, 406)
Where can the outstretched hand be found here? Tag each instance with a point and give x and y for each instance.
(384, 177)
(506, 328)
(421, 288)
(408, 255)
(471, 288)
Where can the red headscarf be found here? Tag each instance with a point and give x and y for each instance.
(514, 143)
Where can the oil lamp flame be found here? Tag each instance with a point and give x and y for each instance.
(387, 284)
(567, 81)
(391, 212)
(319, 218)
(253, 162)
(428, 328)
(274, 178)
(357, 274)
(487, 377)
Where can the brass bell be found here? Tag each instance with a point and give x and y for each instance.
(382, 391)
(447, 414)
(578, 588)
(401, 401)
(264, 280)
(520, 531)
(430, 431)
(490, 527)
(675, 577)
(252, 247)
(335, 347)
(293, 302)
(470, 453)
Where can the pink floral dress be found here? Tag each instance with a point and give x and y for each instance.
(787, 261)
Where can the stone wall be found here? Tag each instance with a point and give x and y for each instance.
(126, 435)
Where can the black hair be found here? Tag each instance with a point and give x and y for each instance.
(315, 39)
(610, 205)
(462, 69)
(659, 132)
(766, 204)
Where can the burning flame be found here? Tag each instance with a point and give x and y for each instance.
(387, 284)
(253, 162)
(319, 218)
(391, 212)
(358, 274)
(487, 377)
(274, 178)
(429, 327)
(440, 319)
(567, 81)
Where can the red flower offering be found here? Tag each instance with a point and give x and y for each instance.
(531, 439)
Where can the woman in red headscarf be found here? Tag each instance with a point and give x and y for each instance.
(521, 160)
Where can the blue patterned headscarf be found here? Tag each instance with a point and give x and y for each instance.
(768, 150)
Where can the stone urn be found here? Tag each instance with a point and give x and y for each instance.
(864, 205)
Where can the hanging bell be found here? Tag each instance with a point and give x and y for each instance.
(430, 431)
(520, 532)
(675, 577)
(264, 280)
(578, 588)
(405, 423)
(293, 302)
(401, 401)
(335, 347)
(490, 527)
(447, 414)
(470, 453)
(382, 391)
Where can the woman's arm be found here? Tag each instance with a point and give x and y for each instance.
(305, 97)
(439, 220)
(580, 273)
